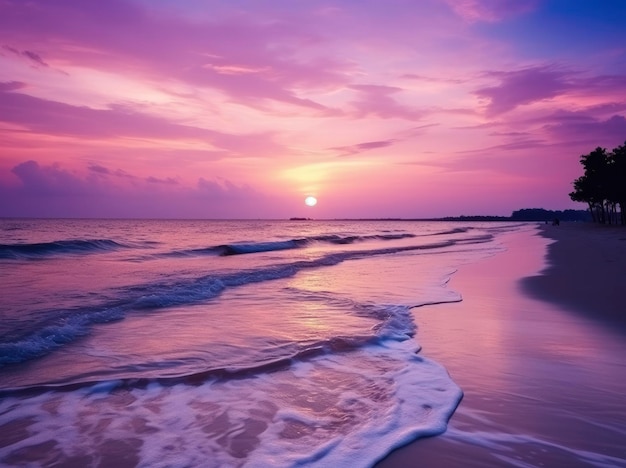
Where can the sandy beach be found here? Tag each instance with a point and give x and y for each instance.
(586, 271)
(537, 345)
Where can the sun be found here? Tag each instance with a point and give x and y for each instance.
(310, 201)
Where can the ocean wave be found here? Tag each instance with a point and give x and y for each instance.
(62, 247)
(460, 230)
(46, 339)
(392, 323)
(301, 354)
(336, 239)
(242, 248)
(161, 295)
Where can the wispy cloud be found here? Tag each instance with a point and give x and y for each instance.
(361, 147)
(490, 10)
(99, 169)
(57, 118)
(11, 86)
(166, 181)
(585, 128)
(379, 101)
(33, 57)
(525, 86)
(246, 59)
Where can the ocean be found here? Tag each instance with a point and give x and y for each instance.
(169, 343)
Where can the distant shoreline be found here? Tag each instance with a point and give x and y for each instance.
(523, 215)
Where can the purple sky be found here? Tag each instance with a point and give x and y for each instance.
(241, 109)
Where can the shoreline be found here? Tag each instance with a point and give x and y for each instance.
(543, 381)
(585, 273)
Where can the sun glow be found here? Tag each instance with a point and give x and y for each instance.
(310, 201)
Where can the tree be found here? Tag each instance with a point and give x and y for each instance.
(617, 182)
(603, 184)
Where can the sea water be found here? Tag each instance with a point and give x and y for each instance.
(223, 343)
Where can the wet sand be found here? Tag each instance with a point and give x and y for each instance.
(586, 271)
(539, 349)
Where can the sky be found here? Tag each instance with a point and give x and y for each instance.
(241, 109)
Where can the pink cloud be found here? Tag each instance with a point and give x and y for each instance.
(57, 118)
(517, 144)
(50, 190)
(361, 147)
(53, 181)
(226, 190)
(195, 52)
(166, 181)
(28, 54)
(432, 79)
(541, 83)
(490, 10)
(583, 128)
(99, 169)
(104, 172)
(11, 86)
(378, 101)
(610, 88)
(524, 86)
(606, 108)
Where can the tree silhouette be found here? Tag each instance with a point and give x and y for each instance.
(618, 179)
(603, 184)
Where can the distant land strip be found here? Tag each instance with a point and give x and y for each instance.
(526, 214)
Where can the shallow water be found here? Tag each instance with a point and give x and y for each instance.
(543, 385)
(160, 343)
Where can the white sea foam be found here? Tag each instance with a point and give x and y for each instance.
(335, 410)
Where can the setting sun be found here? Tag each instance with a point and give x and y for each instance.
(310, 201)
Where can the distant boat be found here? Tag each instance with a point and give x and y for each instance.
(299, 219)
